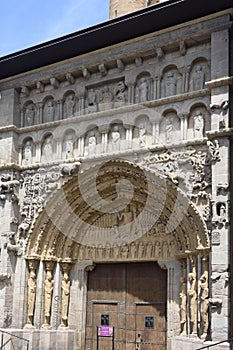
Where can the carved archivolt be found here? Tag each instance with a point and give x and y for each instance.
(117, 211)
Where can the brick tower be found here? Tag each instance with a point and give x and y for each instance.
(121, 7)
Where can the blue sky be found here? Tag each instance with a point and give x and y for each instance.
(29, 22)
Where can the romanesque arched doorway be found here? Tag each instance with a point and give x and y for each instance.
(119, 216)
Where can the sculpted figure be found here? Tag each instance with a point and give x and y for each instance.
(47, 149)
(143, 91)
(91, 101)
(29, 115)
(91, 143)
(116, 138)
(48, 297)
(183, 308)
(170, 84)
(31, 296)
(106, 99)
(49, 112)
(198, 125)
(142, 135)
(27, 153)
(120, 94)
(69, 107)
(168, 130)
(69, 146)
(193, 302)
(65, 299)
(204, 303)
(198, 78)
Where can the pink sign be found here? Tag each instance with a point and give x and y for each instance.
(105, 331)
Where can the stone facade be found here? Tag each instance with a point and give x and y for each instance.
(121, 7)
(118, 156)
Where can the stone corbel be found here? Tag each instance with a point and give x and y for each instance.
(183, 48)
(40, 86)
(102, 69)
(138, 61)
(120, 65)
(25, 91)
(215, 303)
(159, 53)
(85, 72)
(54, 82)
(70, 78)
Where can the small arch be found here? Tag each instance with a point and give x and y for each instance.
(29, 112)
(199, 74)
(169, 128)
(198, 122)
(28, 151)
(171, 81)
(69, 105)
(48, 109)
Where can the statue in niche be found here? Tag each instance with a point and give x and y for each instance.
(120, 94)
(198, 78)
(170, 84)
(47, 149)
(192, 302)
(157, 249)
(183, 307)
(48, 287)
(69, 146)
(31, 296)
(65, 286)
(198, 125)
(106, 98)
(92, 143)
(27, 153)
(140, 250)
(49, 112)
(29, 115)
(133, 250)
(204, 303)
(142, 135)
(116, 137)
(142, 90)
(91, 101)
(69, 107)
(168, 129)
(222, 210)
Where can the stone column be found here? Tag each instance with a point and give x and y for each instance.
(192, 293)
(39, 305)
(156, 87)
(59, 113)
(78, 300)
(183, 299)
(38, 151)
(20, 151)
(129, 136)
(104, 136)
(39, 113)
(56, 304)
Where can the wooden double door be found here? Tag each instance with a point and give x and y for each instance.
(131, 298)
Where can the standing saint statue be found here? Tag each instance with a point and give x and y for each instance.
(193, 302)
(48, 298)
(198, 126)
(31, 296)
(65, 286)
(204, 303)
(183, 306)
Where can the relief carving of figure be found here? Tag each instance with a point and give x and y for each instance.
(29, 115)
(49, 112)
(69, 107)
(142, 135)
(47, 149)
(193, 302)
(69, 146)
(91, 101)
(27, 153)
(92, 143)
(116, 138)
(168, 130)
(142, 91)
(106, 98)
(31, 296)
(170, 84)
(65, 285)
(204, 303)
(48, 297)
(198, 78)
(198, 126)
(120, 94)
(183, 306)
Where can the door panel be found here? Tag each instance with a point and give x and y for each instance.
(132, 298)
